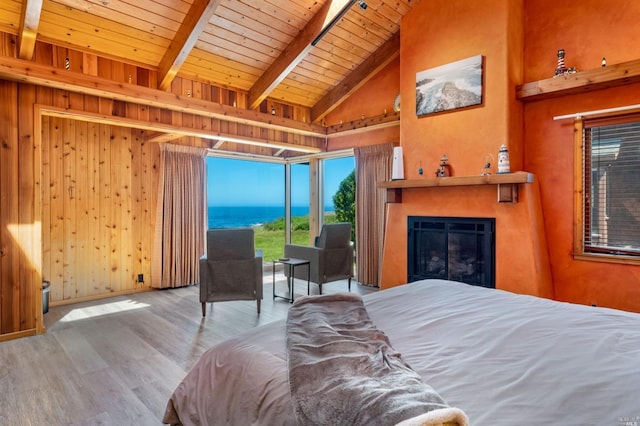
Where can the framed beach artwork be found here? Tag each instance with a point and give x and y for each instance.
(449, 87)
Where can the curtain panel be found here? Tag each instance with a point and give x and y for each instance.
(180, 216)
(373, 164)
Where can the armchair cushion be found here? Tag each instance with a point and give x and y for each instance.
(231, 270)
(230, 279)
(226, 244)
(334, 235)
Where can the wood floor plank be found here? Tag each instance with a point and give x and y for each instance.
(83, 356)
(116, 361)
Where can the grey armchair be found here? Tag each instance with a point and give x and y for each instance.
(330, 259)
(231, 270)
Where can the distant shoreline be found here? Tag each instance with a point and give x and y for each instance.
(241, 216)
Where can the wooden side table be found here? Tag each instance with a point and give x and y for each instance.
(291, 264)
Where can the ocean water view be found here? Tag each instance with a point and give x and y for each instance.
(239, 216)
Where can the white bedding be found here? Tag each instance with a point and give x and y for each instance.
(504, 359)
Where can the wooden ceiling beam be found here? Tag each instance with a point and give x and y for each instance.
(356, 79)
(163, 137)
(42, 75)
(293, 54)
(364, 125)
(172, 131)
(29, 22)
(195, 21)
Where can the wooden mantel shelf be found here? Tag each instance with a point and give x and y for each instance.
(507, 184)
(580, 82)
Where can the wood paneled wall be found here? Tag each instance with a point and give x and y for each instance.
(19, 229)
(78, 198)
(98, 207)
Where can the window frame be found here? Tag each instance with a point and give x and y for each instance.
(316, 182)
(581, 191)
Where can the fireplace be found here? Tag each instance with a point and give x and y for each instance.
(460, 249)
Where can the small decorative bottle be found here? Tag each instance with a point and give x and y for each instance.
(503, 160)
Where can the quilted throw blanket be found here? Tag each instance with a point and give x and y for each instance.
(343, 370)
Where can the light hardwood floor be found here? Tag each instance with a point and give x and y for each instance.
(117, 361)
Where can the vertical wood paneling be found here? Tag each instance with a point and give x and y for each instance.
(136, 199)
(28, 180)
(9, 274)
(19, 244)
(81, 193)
(149, 185)
(90, 64)
(56, 202)
(45, 143)
(115, 210)
(69, 210)
(123, 167)
(93, 190)
(103, 238)
(105, 221)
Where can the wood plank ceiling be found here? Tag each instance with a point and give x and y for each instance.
(286, 50)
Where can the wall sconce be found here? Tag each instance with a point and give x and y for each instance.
(273, 110)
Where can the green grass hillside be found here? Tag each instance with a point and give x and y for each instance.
(270, 236)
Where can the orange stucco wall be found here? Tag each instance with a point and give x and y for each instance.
(372, 100)
(434, 34)
(519, 40)
(438, 33)
(589, 32)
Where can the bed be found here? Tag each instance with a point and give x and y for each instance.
(502, 358)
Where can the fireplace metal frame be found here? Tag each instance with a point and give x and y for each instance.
(444, 226)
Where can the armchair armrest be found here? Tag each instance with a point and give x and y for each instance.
(312, 254)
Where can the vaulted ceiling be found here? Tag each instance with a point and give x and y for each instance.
(312, 53)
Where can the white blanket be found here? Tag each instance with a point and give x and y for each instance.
(504, 359)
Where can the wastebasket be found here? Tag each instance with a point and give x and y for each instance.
(45, 296)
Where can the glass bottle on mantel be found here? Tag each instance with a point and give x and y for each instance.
(445, 169)
(503, 160)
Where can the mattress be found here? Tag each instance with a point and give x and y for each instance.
(504, 359)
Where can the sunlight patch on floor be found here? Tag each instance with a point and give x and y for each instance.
(103, 309)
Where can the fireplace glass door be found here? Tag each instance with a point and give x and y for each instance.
(459, 249)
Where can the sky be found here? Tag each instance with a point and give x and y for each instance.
(232, 182)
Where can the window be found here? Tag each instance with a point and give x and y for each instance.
(243, 192)
(610, 197)
(300, 201)
(335, 172)
(273, 196)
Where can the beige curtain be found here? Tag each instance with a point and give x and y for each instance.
(180, 218)
(373, 164)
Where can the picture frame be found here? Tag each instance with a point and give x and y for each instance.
(450, 87)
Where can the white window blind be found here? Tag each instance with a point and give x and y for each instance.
(611, 176)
